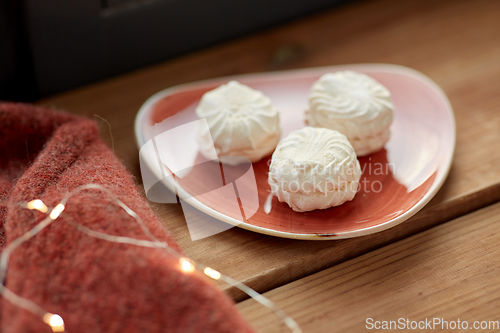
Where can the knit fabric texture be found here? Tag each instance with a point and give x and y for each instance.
(95, 285)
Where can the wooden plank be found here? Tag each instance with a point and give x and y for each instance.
(449, 272)
(456, 43)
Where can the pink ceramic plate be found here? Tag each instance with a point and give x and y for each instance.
(396, 182)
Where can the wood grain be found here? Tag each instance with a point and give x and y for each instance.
(450, 272)
(456, 43)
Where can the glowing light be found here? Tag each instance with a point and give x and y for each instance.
(38, 205)
(212, 273)
(56, 211)
(54, 321)
(186, 265)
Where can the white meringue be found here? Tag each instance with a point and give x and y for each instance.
(242, 123)
(314, 168)
(355, 105)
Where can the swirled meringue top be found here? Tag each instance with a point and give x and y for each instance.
(314, 160)
(353, 103)
(242, 121)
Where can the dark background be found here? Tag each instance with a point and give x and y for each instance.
(54, 45)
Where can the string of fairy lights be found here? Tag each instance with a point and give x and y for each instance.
(186, 265)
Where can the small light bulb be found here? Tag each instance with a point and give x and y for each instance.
(215, 275)
(212, 273)
(186, 265)
(56, 211)
(54, 321)
(38, 204)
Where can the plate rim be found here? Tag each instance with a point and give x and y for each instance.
(368, 67)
